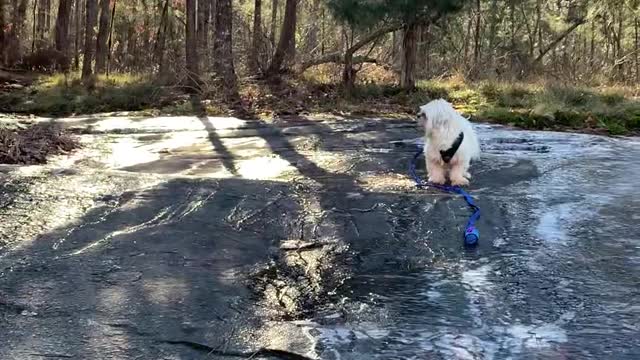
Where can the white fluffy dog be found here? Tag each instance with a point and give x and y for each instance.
(450, 143)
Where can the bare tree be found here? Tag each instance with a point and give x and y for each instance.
(89, 40)
(191, 43)
(62, 32)
(636, 25)
(287, 38)
(409, 56)
(161, 35)
(78, 30)
(47, 16)
(103, 36)
(315, 19)
(2, 35)
(476, 34)
(538, 60)
(223, 48)
(204, 18)
(35, 29)
(274, 21)
(257, 36)
(40, 20)
(15, 34)
(110, 41)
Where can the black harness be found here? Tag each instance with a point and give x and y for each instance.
(447, 155)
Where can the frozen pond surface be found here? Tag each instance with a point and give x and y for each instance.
(560, 278)
(307, 235)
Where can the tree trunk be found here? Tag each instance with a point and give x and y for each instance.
(274, 21)
(36, 24)
(555, 42)
(169, 46)
(161, 35)
(336, 58)
(18, 21)
(78, 28)
(212, 26)
(40, 20)
(110, 41)
(513, 48)
(323, 32)
(409, 56)
(537, 28)
(2, 35)
(619, 63)
(131, 47)
(290, 55)
(287, 38)
(119, 57)
(191, 50)
(495, 17)
(103, 36)
(467, 39)
(62, 33)
(204, 16)
(257, 36)
(348, 72)
(223, 48)
(592, 46)
(394, 47)
(89, 40)
(476, 36)
(427, 52)
(311, 43)
(47, 22)
(44, 22)
(142, 51)
(636, 24)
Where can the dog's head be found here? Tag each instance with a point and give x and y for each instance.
(434, 115)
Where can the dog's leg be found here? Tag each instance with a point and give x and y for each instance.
(436, 172)
(459, 173)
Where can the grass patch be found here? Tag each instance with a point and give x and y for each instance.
(615, 110)
(60, 96)
(548, 106)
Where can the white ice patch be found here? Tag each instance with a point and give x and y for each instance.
(478, 291)
(165, 123)
(550, 228)
(522, 337)
(465, 347)
(477, 279)
(264, 168)
(433, 295)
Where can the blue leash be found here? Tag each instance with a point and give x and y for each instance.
(471, 233)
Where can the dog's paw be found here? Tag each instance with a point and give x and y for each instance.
(437, 179)
(461, 181)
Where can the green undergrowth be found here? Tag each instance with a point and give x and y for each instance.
(615, 110)
(542, 105)
(58, 95)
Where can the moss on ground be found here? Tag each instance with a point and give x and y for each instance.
(60, 96)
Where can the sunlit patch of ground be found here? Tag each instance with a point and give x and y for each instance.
(386, 182)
